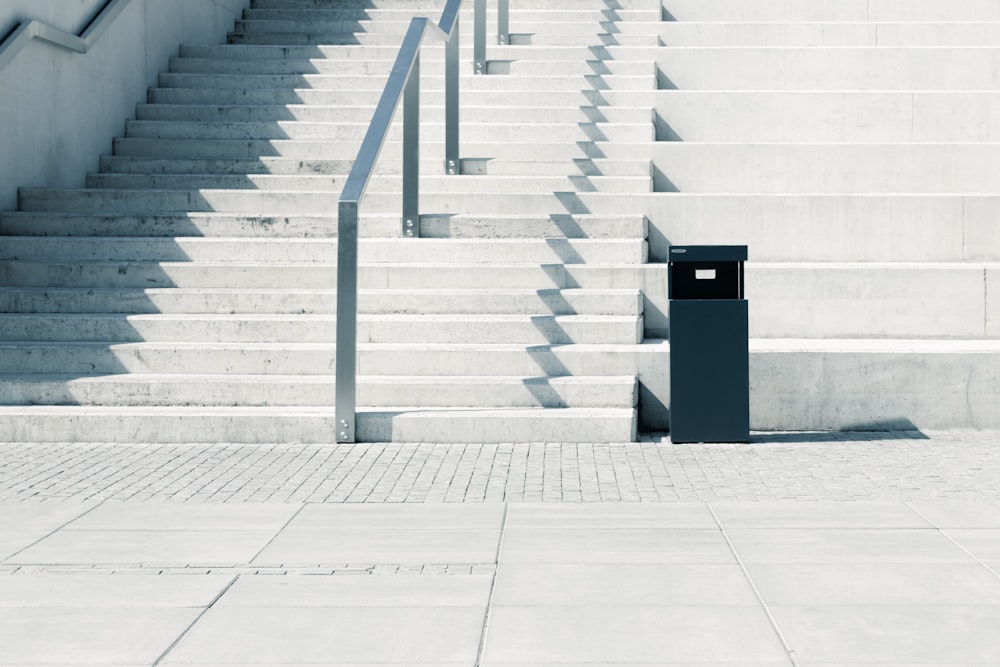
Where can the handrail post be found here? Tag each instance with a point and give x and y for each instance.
(503, 22)
(347, 320)
(411, 152)
(452, 164)
(479, 39)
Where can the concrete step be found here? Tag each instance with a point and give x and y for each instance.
(431, 68)
(260, 202)
(431, 7)
(310, 359)
(874, 384)
(206, 113)
(479, 151)
(313, 275)
(127, 164)
(828, 168)
(333, 183)
(863, 33)
(390, 39)
(909, 69)
(387, 52)
(284, 424)
(518, 15)
(830, 10)
(355, 131)
(321, 250)
(493, 96)
(848, 227)
(323, 23)
(372, 328)
(828, 117)
(25, 223)
(360, 82)
(317, 390)
(174, 300)
(874, 300)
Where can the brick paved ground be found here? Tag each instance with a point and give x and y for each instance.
(776, 466)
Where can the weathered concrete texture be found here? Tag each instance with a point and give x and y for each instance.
(60, 110)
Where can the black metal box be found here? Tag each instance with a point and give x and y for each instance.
(709, 345)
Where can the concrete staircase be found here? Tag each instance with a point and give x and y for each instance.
(853, 145)
(188, 293)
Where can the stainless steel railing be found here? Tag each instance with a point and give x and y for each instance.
(44, 32)
(403, 85)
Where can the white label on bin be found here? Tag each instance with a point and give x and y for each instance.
(704, 274)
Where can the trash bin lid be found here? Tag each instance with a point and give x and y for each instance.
(708, 253)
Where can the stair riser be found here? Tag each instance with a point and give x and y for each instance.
(286, 203)
(318, 359)
(188, 275)
(888, 228)
(834, 169)
(388, 52)
(439, 392)
(322, 251)
(428, 167)
(379, 68)
(321, 23)
(881, 34)
(874, 391)
(566, 302)
(831, 10)
(833, 69)
(270, 97)
(363, 114)
(469, 85)
(318, 329)
(311, 150)
(518, 15)
(277, 428)
(429, 184)
(433, 6)
(832, 117)
(298, 131)
(22, 223)
(389, 39)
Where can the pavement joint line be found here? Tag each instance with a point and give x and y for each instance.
(480, 653)
(951, 539)
(52, 532)
(277, 533)
(753, 586)
(195, 621)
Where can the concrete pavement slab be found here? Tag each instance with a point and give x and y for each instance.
(279, 635)
(433, 516)
(957, 514)
(892, 634)
(186, 516)
(818, 515)
(616, 584)
(147, 546)
(845, 546)
(101, 590)
(811, 584)
(430, 591)
(40, 516)
(616, 516)
(553, 634)
(982, 543)
(362, 544)
(105, 636)
(554, 544)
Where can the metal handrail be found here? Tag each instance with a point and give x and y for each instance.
(403, 83)
(35, 29)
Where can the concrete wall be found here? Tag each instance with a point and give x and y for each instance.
(60, 110)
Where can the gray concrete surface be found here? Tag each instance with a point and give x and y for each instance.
(812, 550)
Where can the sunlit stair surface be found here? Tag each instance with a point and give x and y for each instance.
(188, 293)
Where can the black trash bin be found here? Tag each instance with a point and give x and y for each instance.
(709, 355)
